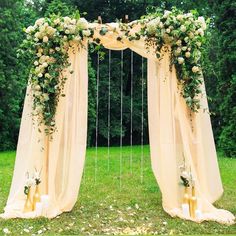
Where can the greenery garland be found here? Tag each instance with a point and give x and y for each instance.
(49, 39)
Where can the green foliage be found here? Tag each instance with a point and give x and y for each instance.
(92, 214)
(13, 72)
(218, 66)
(226, 84)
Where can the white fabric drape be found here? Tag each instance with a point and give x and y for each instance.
(171, 133)
(66, 150)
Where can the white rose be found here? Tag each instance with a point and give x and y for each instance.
(195, 69)
(166, 14)
(67, 31)
(37, 87)
(45, 64)
(201, 20)
(36, 63)
(86, 33)
(179, 42)
(45, 39)
(186, 39)
(151, 27)
(200, 31)
(51, 51)
(82, 23)
(29, 29)
(183, 28)
(45, 97)
(40, 75)
(179, 49)
(191, 35)
(168, 30)
(37, 35)
(77, 38)
(73, 22)
(187, 54)
(189, 49)
(199, 44)
(39, 21)
(189, 15)
(30, 182)
(184, 48)
(56, 21)
(180, 17)
(67, 19)
(180, 60)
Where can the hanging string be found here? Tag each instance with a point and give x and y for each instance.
(121, 113)
(109, 111)
(131, 108)
(97, 104)
(142, 120)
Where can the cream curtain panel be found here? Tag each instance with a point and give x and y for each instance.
(171, 134)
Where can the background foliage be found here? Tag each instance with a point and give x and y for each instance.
(219, 67)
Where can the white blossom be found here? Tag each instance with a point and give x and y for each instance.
(29, 29)
(39, 22)
(179, 42)
(180, 60)
(6, 231)
(45, 97)
(200, 31)
(45, 39)
(30, 182)
(180, 17)
(57, 21)
(36, 63)
(183, 28)
(187, 54)
(86, 33)
(195, 69)
(82, 23)
(201, 20)
(168, 30)
(191, 35)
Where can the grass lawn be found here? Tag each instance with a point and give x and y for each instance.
(105, 208)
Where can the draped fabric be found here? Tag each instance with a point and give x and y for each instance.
(173, 133)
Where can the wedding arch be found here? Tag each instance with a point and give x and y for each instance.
(54, 121)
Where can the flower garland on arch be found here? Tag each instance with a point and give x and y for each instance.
(48, 41)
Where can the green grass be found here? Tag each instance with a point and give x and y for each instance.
(105, 208)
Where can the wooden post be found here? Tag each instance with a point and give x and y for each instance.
(99, 20)
(126, 19)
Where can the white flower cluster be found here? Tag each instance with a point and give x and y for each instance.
(30, 182)
(181, 30)
(41, 30)
(44, 33)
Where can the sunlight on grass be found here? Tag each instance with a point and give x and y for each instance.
(105, 208)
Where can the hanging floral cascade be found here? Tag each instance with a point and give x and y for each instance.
(49, 39)
(47, 43)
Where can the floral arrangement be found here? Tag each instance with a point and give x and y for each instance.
(186, 176)
(184, 32)
(28, 184)
(37, 176)
(48, 42)
(49, 39)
